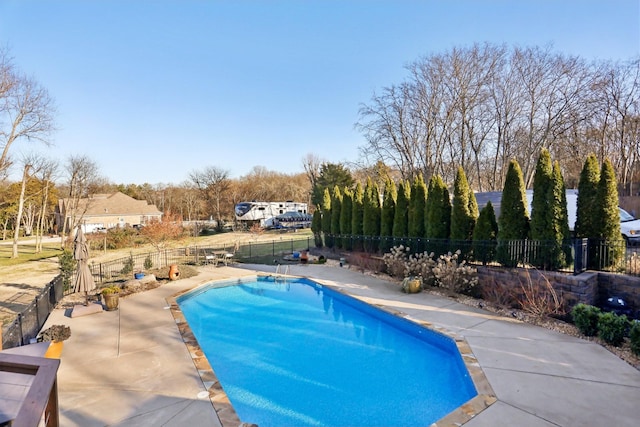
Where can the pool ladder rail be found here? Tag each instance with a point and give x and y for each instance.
(280, 275)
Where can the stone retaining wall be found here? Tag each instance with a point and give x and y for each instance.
(590, 287)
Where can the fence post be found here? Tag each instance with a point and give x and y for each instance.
(20, 328)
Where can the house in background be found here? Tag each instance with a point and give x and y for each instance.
(103, 211)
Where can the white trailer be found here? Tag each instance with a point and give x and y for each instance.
(266, 213)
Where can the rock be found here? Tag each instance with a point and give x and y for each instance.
(132, 285)
(148, 278)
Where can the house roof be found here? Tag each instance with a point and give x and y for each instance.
(113, 204)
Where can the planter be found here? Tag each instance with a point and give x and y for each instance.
(411, 285)
(138, 276)
(111, 301)
(173, 272)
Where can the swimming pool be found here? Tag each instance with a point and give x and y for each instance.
(297, 353)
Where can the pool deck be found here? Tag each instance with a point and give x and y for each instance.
(131, 367)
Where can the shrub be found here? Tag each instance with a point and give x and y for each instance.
(611, 328)
(148, 263)
(127, 266)
(396, 261)
(453, 276)
(498, 293)
(55, 333)
(634, 337)
(421, 265)
(539, 298)
(67, 268)
(110, 290)
(585, 317)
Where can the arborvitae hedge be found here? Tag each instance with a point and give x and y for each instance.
(608, 216)
(387, 215)
(326, 218)
(356, 215)
(336, 209)
(345, 217)
(371, 216)
(586, 220)
(557, 255)
(401, 217)
(316, 228)
(542, 182)
(485, 234)
(417, 204)
(438, 210)
(513, 223)
(464, 210)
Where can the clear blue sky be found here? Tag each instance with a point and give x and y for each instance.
(152, 90)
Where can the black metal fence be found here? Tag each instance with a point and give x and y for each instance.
(575, 255)
(195, 255)
(28, 323)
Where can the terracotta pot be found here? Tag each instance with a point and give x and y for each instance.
(111, 301)
(173, 272)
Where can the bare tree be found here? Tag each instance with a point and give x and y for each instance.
(26, 110)
(16, 231)
(82, 179)
(213, 182)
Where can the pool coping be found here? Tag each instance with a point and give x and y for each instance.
(227, 414)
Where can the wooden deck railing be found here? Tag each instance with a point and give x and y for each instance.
(42, 397)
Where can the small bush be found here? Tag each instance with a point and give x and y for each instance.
(127, 267)
(455, 277)
(585, 317)
(422, 265)
(539, 298)
(499, 293)
(67, 268)
(110, 290)
(396, 261)
(148, 263)
(634, 337)
(611, 328)
(55, 333)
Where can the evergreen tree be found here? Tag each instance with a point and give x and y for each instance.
(542, 183)
(345, 217)
(316, 228)
(336, 209)
(438, 210)
(464, 210)
(485, 235)
(513, 224)
(331, 174)
(608, 218)
(326, 219)
(371, 216)
(557, 254)
(543, 209)
(401, 217)
(357, 216)
(387, 216)
(586, 219)
(417, 205)
(438, 216)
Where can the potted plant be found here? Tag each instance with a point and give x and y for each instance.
(111, 297)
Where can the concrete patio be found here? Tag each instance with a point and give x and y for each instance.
(130, 367)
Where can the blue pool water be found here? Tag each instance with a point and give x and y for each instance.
(299, 354)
